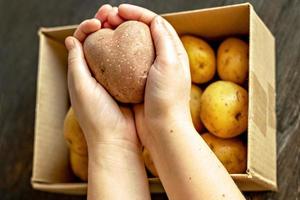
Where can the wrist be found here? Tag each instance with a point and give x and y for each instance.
(111, 153)
(169, 128)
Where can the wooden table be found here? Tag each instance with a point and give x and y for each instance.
(20, 21)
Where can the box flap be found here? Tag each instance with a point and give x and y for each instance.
(262, 116)
(64, 188)
(50, 162)
(212, 22)
(58, 33)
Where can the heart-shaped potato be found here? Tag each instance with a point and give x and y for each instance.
(120, 59)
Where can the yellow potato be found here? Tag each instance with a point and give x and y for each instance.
(201, 57)
(73, 134)
(78, 148)
(149, 162)
(224, 109)
(195, 96)
(231, 152)
(79, 165)
(232, 60)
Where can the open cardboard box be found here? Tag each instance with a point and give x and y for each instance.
(51, 171)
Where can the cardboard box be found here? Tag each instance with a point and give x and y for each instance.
(51, 171)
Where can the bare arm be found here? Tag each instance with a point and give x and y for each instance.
(116, 170)
(186, 166)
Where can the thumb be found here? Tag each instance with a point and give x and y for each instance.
(78, 71)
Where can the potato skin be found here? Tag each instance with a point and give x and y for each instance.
(231, 152)
(201, 57)
(73, 134)
(224, 109)
(79, 165)
(120, 59)
(233, 61)
(149, 162)
(77, 145)
(195, 102)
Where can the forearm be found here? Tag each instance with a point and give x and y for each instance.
(116, 172)
(187, 167)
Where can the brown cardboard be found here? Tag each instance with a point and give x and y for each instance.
(51, 170)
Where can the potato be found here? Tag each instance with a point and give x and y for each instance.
(232, 59)
(149, 162)
(79, 165)
(231, 152)
(195, 97)
(73, 134)
(120, 59)
(77, 145)
(224, 109)
(201, 57)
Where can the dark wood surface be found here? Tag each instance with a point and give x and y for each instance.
(20, 21)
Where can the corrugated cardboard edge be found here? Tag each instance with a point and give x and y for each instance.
(205, 9)
(265, 178)
(40, 122)
(57, 33)
(63, 188)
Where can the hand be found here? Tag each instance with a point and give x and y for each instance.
(100, 117)
(168, 84)
(185, 164)
(116, 169)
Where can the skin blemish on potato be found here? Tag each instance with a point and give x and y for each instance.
(223, 195)
(238, 116)
(237, 95)
(226, 61)
(201, 65)
(171, 131)
(69, 141)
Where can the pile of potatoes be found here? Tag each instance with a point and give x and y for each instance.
(218, 99)
(218, 105)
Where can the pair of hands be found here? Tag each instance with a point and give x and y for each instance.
(166, 103)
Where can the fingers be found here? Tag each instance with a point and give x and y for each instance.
(87, 27)
(108, 15)
(107, 25)
(163, 42)
(102, 13)
(78, 72)
(168, 46)
(131, 12)
(113, 17)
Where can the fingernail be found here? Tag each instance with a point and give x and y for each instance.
(159, 20)
(70, 43)
(97, 20)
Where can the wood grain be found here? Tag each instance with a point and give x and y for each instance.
(20, 21)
